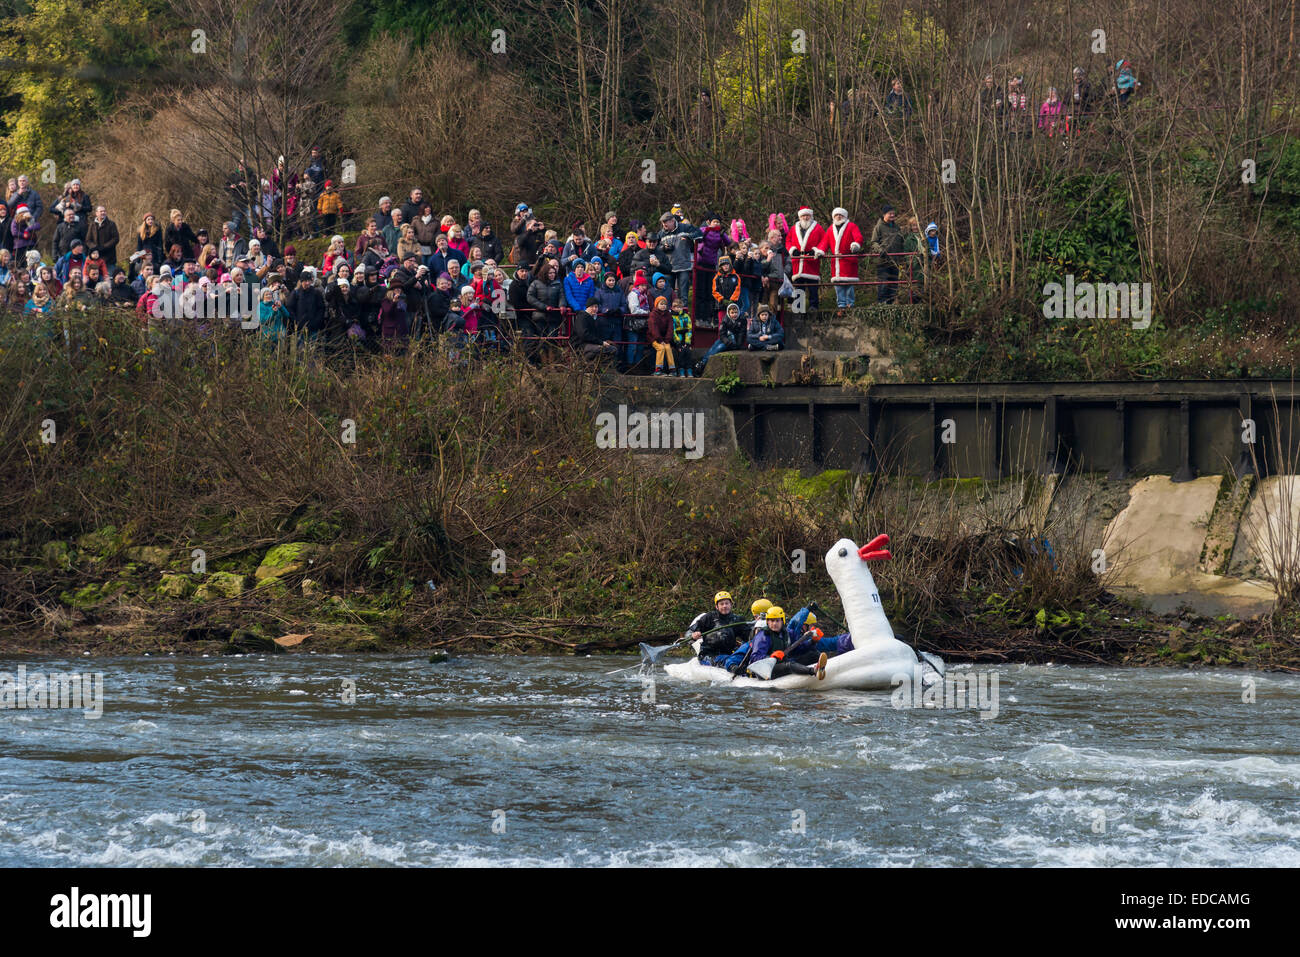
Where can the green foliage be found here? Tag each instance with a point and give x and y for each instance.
(76, 56)
(877, 41)
(1087, 231)
(727, 383)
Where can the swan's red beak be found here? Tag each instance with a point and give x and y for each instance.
(875, 550)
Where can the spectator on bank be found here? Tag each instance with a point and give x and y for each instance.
(383, 216)
(886, 244)
(578, 286)
(1082, 101)
(75, 199)
(1051, 112)
(764, 332)
(6, 220)
(683, 332)
(67, 231)
(659, 329)
(392, 233)
(179, 233)
(102, 237)
(425, 226)
(990, 98)
(25, 230)
(897, 102)
(1015, 108)
(336, 255)
(842, 243)
(804, 245)
(1126, 82)
(23, 194)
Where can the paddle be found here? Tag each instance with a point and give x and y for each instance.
(650, 654)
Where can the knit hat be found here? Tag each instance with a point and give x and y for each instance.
(661, 302)
(444, 275)
(733, 305)
(290, 251)
(887, 209)
(639, 278)
(166, 270)
(724, 260)
(654, 280)
(467, 289)
(764, 308)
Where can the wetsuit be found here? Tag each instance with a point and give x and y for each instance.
(717, 646)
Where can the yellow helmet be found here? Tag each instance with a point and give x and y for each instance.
(775, 612)
(721, 595)
(811, 619)
(759, 607)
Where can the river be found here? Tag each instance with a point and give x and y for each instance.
(550, 761)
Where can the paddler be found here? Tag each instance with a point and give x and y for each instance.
(808, 642)
(771, 641)
(719, 631)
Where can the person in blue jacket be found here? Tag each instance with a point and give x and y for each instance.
(764, 333)
(808, 644)
(578, 287)
(771, 641)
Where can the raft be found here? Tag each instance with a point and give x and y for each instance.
(878, 660)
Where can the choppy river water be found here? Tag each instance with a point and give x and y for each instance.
(550, 761)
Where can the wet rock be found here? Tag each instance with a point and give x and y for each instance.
(220, 585)
(291, 558)
(149, 555)
(175, 586)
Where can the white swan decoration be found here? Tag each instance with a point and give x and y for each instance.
(877, 660)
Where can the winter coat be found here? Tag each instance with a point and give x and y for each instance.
(104, 237)
(711, 243)
(802, 244)
(769, 327)
(726, 288)
(576, 293)
(659, 326)
(886, 238)
(307, 309)
(842, 243)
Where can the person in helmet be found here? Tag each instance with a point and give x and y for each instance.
(719, 632)
(771, 641)
(809, 644)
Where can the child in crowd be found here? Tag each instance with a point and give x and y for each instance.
(660, 330)
(682, 331)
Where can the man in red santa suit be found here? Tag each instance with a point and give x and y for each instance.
(842, 242)
(804, 245)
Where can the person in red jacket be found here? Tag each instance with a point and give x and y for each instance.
(803, 243)
(842, 243)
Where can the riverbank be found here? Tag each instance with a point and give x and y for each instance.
(224, 496)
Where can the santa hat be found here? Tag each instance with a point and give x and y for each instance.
(805, 209)
(20, 209)
(840, 211)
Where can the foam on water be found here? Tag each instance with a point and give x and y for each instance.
(1099, 767)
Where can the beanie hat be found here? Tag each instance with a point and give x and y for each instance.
(764, 308)
(290, 251)
(887, 209)
(467, 289)
(724, 260)
(639, 278)
(444, 275)
(661, 302)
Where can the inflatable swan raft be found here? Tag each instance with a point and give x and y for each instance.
(877, 657)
